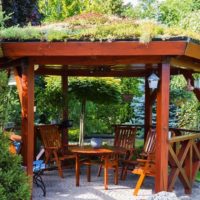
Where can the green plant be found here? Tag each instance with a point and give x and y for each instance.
(73, 135)
(13, 181)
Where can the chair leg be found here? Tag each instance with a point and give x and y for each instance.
(139, 183)
(99, 170)
(116, 174)
(58, 162)
(124, 172)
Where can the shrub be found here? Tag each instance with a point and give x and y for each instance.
(13, 181)
(73, 134)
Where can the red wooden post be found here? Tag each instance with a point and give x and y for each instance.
(65, 108)
(148, 108)
(28, 115)
(162, 112)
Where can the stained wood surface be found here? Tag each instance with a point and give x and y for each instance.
(125, 48)
(184, 160)
(193, 50)
(27, 85)
(162, 118)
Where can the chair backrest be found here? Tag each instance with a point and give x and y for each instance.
(125, 136)
(50, 135)
(150, 143)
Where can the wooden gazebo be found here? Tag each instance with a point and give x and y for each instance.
(110, 59)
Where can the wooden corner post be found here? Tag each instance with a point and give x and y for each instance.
(27, 103)
(162, 113)
(65, 108)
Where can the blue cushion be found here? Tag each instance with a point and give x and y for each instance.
(38, 165)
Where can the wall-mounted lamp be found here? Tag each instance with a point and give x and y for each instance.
(153, 81)
(11, 79)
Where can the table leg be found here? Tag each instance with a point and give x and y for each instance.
(89, 171)
(77, 169)
(106, 172)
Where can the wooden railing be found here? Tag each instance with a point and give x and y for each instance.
(184, 160)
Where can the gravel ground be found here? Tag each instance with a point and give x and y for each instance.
(60, 189)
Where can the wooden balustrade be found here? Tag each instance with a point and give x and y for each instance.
(184, 160)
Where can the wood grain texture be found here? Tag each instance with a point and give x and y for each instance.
(162, 129)
(193, 50)
(27, 102)
(123, 48)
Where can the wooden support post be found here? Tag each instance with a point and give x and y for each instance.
(148, 108)
(27, 101)
(65, 109)
(161, 179)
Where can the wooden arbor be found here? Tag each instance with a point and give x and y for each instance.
(117, 59)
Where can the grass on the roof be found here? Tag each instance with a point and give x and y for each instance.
(96, 27)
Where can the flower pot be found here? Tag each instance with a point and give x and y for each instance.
(96, 142)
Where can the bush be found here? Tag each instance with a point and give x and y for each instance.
(73, 135)
(13, 181)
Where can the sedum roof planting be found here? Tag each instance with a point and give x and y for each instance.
(96, 27)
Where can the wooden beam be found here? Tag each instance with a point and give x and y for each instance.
(28, 116)
(65, 109)
(162, 118)
(90, 73)
(193, 50)
(119, 48)
(95, 60)
(184, 63)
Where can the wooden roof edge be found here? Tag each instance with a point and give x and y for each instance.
(118, 48)
(192, 49)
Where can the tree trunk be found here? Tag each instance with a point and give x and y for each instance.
(82, 117)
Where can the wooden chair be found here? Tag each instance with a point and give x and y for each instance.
(124, 141)
(54, 151)
(146, 165)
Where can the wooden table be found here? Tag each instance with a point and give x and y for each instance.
(89, 151)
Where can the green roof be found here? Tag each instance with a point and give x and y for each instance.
(97, 27)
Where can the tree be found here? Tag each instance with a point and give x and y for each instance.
(54, 10)
(22, 12)
(98, 90)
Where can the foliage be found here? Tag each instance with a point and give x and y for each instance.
(22, 12)
(189, 107)
(172, 11)
(191, 22)
(91, 27)
(9, 102)
(73, 134)
(49, 98)
(58, 10)
(3, 19)
(13, 181)
(98, 90)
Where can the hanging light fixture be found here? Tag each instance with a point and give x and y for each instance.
(153, 81)
(11, 79)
